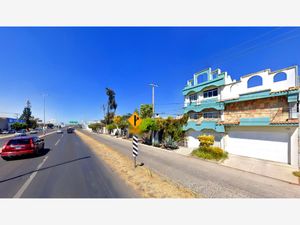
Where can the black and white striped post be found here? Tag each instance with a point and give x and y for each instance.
(135, 149)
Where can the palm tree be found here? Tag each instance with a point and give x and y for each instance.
(111, 105)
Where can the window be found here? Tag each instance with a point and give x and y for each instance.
(279, 77)
(193, 97)
(293, 110)
(210, 93)
(254, 81)
(211, 115)
(194, 116)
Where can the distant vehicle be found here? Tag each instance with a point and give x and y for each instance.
(59, 132)
(19, 146)
(5, 132)
(33, 131)
(21, 133)
(12, 131)
(70, 130)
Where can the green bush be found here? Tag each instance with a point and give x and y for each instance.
(210, 152)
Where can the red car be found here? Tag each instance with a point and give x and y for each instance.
(20, 146)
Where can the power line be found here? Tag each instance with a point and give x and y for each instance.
(241, 44)
(258, 46)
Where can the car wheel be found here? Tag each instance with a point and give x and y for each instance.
(5, 158)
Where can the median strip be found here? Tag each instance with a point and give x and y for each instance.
(146, 182)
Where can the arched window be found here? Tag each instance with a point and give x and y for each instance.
(279, 77)
(254, 81)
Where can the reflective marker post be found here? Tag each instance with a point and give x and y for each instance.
(135, 149)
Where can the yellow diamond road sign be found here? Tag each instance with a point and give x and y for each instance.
(135, 120)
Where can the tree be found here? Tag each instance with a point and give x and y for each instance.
(111, 106)
(18, 126)
(26, 115)
(111, 127)
(96, 126)
(146, 111)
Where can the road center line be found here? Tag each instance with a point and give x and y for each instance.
(57, 142)
(28, 181)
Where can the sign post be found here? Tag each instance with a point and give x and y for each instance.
(135, 121)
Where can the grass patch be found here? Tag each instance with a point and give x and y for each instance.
(297, 173)
(210, 152)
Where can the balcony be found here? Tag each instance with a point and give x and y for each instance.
(205, 124)
(219, 81)
(198, 106)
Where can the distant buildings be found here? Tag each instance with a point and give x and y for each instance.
(256, 116)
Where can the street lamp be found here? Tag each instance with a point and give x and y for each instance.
(44, 127)
(153, 111)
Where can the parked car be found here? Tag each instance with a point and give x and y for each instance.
(5, 132)
(59, 131)
(19, 146)
(70, 130)
(12, 131)
(21, 133)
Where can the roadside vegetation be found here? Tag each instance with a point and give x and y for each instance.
(29, 121)
(206, 149)
(166, 133)
(296, 173)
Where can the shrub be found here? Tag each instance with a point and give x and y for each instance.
(169, 143)
(296, 173)
(210, 152)
(206, 140)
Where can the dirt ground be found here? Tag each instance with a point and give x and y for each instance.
(147, 183)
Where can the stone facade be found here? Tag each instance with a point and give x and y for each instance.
(276, 108)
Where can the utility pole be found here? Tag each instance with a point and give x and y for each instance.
(153, 110)
(44, 127)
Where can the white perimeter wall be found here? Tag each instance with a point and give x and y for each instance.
(234, 90)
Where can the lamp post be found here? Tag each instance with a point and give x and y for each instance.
(153, 111)
(44, 127)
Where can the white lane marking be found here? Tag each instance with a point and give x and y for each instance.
(28, 181)
(58, 140)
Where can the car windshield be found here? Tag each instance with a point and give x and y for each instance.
(19, 142)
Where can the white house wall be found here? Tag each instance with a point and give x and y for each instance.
(232, 91)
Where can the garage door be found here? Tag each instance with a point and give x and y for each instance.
(262, 145)
(192, 139)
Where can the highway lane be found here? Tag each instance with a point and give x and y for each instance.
(67, 169)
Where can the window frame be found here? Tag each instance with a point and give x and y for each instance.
(212, 113)
(210, 93)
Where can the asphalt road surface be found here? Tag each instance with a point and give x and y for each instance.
(208, 179)
(66, 169)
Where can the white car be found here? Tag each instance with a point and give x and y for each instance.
(59, 132)
(20, 133)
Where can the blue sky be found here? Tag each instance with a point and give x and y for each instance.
(74, 65)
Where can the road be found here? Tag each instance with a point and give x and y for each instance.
(66, 169)
(207, 178)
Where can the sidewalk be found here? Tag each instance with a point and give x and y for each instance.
(261, 167)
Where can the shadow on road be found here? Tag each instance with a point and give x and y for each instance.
(29, 156)
(44, 168)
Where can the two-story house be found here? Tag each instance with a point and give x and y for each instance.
(256, 116)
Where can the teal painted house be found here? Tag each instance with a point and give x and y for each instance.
(256, 116)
